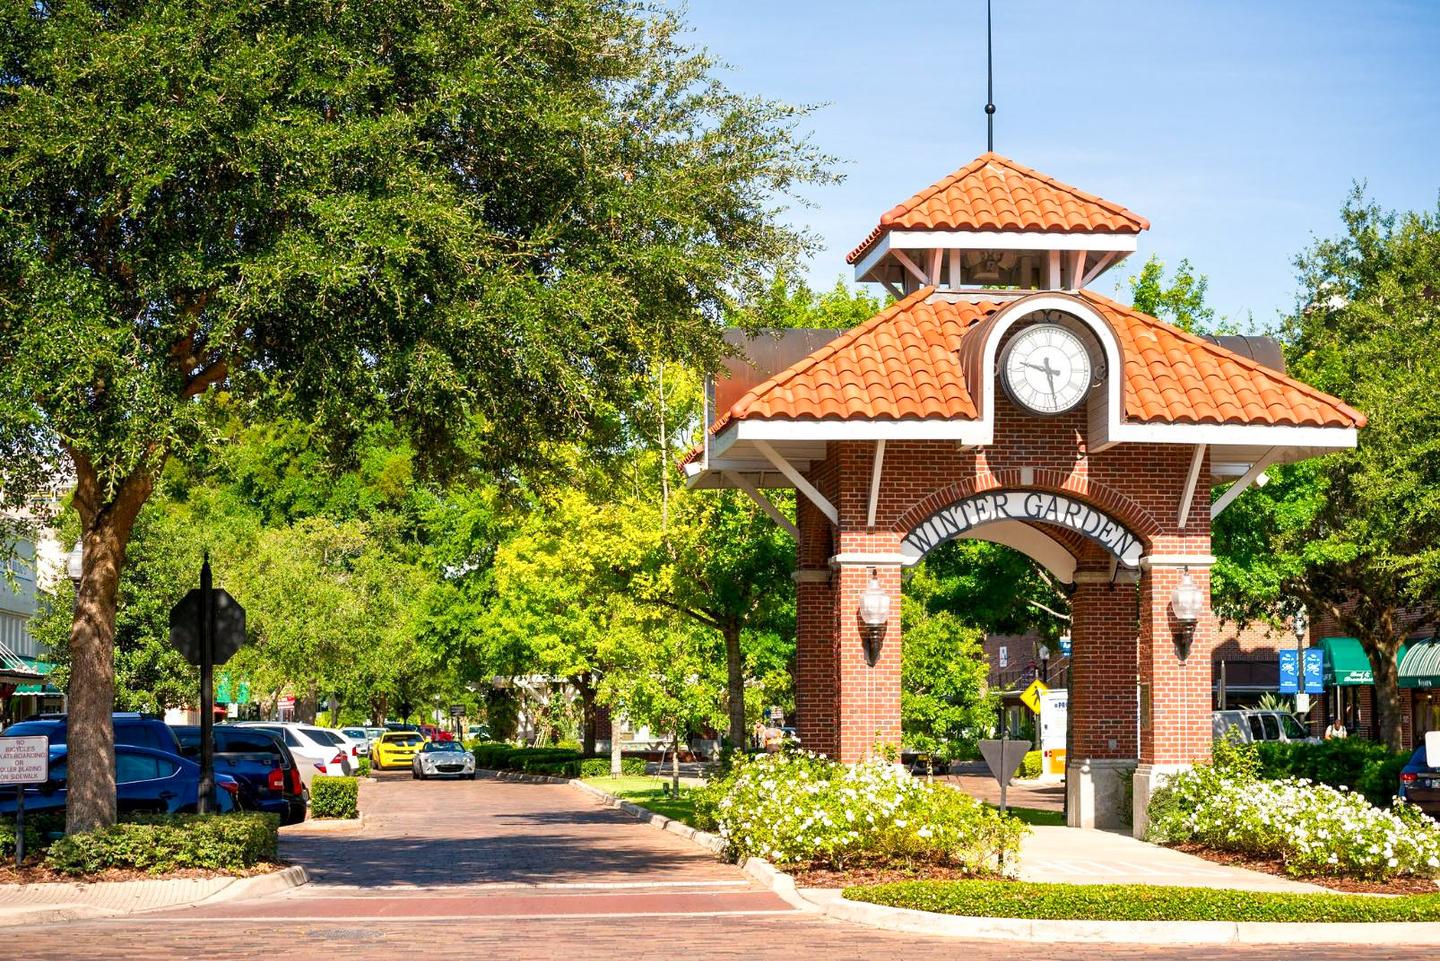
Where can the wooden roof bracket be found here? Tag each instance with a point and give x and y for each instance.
(801, 484)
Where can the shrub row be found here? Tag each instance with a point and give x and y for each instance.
(1139, 902)
(39, 829)
(161, 843)
(1360, 765)
(1313, 828)
(552, 761)
(798, 808)
(1032, 766)
(334, 797)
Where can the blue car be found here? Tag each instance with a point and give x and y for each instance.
(1420, 784)
(147, 781)
(131, 728)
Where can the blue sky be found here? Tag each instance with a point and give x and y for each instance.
(1236, 128)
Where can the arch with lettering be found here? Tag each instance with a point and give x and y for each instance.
(1009, 517)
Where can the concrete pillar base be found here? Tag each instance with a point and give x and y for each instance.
(1096, 792)
(1149, 778)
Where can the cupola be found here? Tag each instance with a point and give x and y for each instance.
(992, 224)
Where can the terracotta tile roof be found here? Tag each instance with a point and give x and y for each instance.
(995, 193)
(909, 363)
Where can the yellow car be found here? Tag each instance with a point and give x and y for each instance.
(396, 749)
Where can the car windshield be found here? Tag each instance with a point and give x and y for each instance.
(403, 740)
(355, 732)
(322, 737)
(436, 746)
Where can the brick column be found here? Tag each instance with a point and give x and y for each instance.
(869, 695)
(1100, 758)
(1175, 692)
(817, 697)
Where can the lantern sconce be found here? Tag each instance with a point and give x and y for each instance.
(874, 615)
(1187, 601)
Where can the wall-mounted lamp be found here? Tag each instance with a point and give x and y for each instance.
(75, 562)
(874, 615)
(1187, 602)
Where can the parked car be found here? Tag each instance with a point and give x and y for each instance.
(1247, 726)
(436, 733)
(138, 730)
(317, 752)
(267, 772)
(355, 747)
(396, 749)
(478, 732)
(1420, 783)
(147, 781)
(361, 736)
(443, 759)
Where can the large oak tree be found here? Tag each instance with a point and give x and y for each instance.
(462, 214)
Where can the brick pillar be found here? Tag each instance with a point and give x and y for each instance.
(1175, 692)
(1101, 753)
(817, 717)
(869, 696)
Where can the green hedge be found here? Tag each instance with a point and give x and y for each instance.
(172, 842)
(552, 761)
(363, 769)
(1032, 766)
(40, 830)
(334, 797)
(1364, 766)
(1139, 902)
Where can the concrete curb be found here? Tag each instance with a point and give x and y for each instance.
(152, 896)
(834, 905)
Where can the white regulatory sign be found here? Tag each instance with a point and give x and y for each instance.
(24, 760)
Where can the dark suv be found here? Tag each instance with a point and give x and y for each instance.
(136, 730)
(268, 773)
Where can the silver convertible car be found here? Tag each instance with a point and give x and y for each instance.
(443, 759)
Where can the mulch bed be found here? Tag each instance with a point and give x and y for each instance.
(34, 872)
(833, 878)
(1403, 885)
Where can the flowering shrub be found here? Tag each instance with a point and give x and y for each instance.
(1313, 828)
(798, 808)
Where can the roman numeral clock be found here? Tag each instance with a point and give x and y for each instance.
(1047, 369)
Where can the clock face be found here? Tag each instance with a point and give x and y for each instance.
(1046, 369)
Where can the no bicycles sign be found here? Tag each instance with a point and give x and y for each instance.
(24, 760)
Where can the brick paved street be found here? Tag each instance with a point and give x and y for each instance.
(498, 870)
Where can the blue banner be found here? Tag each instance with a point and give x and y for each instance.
(1289, 671)
(1314, 670)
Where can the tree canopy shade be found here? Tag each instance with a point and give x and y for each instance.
(466, 216)
(1356, 535)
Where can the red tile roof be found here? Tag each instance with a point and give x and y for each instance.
(995, 193)
(907, 363)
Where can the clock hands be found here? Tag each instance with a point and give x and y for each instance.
(1047, 370)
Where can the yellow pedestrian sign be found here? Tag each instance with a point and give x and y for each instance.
(1031, 697)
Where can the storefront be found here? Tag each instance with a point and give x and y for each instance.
(1420, 676)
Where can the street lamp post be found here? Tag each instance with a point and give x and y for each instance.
(1301, 625)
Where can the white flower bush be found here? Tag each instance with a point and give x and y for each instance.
(798, 808)
(1313, 828)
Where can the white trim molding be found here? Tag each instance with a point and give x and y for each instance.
(801, 484)
(1176, 560)
(861, 559)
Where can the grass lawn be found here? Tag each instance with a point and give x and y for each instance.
(649, 792)
(1034, 816)
(1139, 902)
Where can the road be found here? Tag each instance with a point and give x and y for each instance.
(498, 870)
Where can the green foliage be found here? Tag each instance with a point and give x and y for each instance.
(551, 761)
(1354, 763)
(992, 587)
(362, 769)
(163, 843)
(1032, 765)
(600, 767)
(334, 797)
(790, 303)
(944, 702)
(1181, 300)
(1139, 902)
(1354, 535)
(653, 794)
(798, 808)
(1312, 828)
(40, 829)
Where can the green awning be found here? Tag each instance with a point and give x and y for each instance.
(39, 667)
(1346, 664)
(1420, 665)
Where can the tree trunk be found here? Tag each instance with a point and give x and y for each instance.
(90, 794)
(675, 765)
(1389, 724)
(587, 714)
(735, 684)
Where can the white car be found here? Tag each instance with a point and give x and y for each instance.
(361, 737)
(319, 751)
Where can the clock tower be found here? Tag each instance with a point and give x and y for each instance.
(1000, 398)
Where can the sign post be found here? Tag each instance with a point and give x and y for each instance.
(23, 760)
(208, 627)
(1003, 756)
